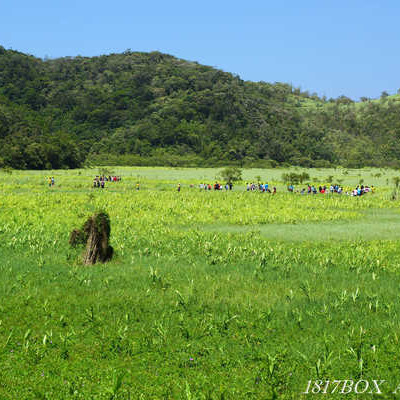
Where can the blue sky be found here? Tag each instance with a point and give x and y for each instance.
(328, 47)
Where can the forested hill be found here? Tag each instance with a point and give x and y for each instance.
(155, 109)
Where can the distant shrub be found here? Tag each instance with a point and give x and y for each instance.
(396, 181)
(231, 174)
(103, 171)
(295, 178)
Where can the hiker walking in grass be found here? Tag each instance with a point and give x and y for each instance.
(179, 187)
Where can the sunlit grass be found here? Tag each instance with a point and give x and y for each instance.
(210, 295)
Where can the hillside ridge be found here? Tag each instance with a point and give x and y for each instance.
(138, 108)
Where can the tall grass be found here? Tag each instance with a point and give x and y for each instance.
(186, 310)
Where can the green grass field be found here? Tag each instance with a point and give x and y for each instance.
(210, 295)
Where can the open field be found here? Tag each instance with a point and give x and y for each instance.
(210, 295)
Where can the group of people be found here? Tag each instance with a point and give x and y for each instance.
(51, 181)
(360, 190)
(311, 189)
(100, 180)
(216, 186)
(262, 187)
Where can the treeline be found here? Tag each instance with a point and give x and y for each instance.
(155, 109)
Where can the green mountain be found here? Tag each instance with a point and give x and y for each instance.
(155, 109)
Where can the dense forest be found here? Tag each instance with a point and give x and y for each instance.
(154, 109)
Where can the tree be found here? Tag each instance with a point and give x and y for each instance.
(396, 181)
(295, 178)
(344, 100)
(231, 174)
(384, 94)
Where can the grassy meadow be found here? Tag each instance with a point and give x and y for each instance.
(210, 295)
